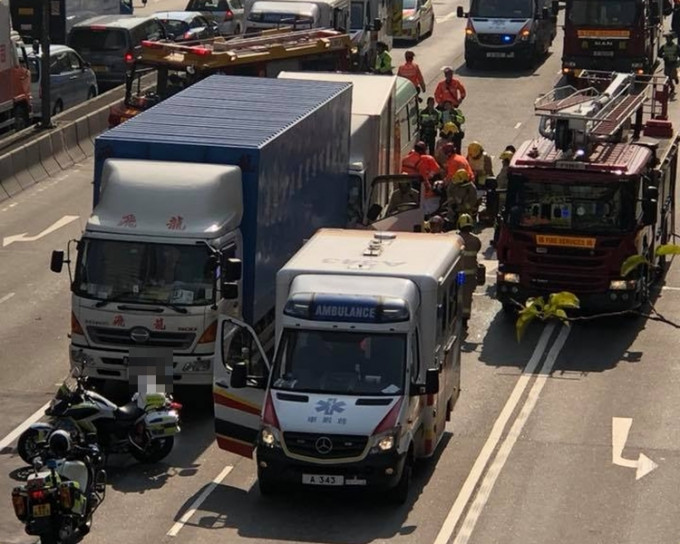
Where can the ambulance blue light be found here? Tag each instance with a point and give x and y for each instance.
(507, 39)
(460, 278)
(347, 308)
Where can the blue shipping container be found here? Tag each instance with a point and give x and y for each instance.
(289, 137)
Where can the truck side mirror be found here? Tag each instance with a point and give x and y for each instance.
(239, 375)
(459, 12)
(57, 261)
(650, 205)
(377, 25)
(231, 270)
(229, 290)
(373, 212)
(545, 13)
(432, 381)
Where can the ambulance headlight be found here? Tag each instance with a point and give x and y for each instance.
(622, 285)
(385, 442)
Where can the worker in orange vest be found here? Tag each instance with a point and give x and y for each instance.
(449, 89)
(411, 71)
(419, 163)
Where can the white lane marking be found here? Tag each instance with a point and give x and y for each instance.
(668, 288)
(49, 230)
(496, 467)
(475, 475)
(11, 437)
(176, 528)
(620, 429)
(6, 297)
(518, 125)
(445, 18)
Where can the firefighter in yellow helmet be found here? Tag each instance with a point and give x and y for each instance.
(472, 246)
(446, 135)
(461, 196)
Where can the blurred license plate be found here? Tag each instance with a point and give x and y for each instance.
(322, 479)
(500, 55)
(41, 510)
(100, 68)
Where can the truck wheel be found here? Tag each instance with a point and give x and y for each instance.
(267, 486)
(400, 493)
(20, 118)
(469, 63)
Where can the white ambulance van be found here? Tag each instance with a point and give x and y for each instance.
(366, 369)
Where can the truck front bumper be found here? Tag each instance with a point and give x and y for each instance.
(113, 365)
(608, 301)
(378, 471)
(519, 50)
(574, 64)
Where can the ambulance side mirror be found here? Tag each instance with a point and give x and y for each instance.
(432, 381)
(460, 12)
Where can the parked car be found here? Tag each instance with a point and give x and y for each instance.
(417, 20)
(111, 42)
(229, 14)
(182, 26)
(72, 81)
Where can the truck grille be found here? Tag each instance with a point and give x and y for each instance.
(121, 337)
(343, 446)
(495, 39)
(568, 269)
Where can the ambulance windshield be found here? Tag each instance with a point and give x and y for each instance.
(343, 363)
(504, 9)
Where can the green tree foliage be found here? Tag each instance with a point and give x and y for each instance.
(538, 308)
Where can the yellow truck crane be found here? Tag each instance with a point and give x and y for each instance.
(162, 69)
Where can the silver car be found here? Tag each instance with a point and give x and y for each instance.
(72, 81)
(229, 14)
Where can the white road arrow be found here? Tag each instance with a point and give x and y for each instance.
(620, 429)
(23, 238)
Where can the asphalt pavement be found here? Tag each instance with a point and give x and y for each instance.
(544, 445)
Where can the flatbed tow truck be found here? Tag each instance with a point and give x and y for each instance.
(165, 68)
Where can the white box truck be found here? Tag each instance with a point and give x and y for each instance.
(366, 370)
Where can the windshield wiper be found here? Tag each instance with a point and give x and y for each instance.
(117, 298)
(178, 309)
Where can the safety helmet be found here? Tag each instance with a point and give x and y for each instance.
(60, 442)
(436, 220)
(461, 176)
(506, 155)
(465, 220)
(449, 128)
(475, 149)
(409, 54)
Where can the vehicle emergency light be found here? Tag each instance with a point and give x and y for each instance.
(128, 57)
(228, 15)
(37, 494)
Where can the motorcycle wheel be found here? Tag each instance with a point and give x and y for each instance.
(26, 446)
(156, 450)
(48, 539)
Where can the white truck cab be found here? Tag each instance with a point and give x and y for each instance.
(366, 369)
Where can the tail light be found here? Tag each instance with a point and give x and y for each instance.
(228, 15)
(269, 415)
(75, 326)
(209, 334)
(390, 420)
(65, 497)
(129, 57)
(175, 406)
(186, 36)
(200, 51)
(37, 494)
(19, 503)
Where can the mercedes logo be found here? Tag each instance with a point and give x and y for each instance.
(140, 335)
(323, 445)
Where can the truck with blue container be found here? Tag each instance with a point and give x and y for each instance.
(197, 204)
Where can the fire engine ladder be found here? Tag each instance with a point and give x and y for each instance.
(218, 52)
(588, 114)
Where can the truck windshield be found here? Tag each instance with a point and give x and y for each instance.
(144, 272)
(569, 206)
(607, 13)
(342, 363)
(504, 9)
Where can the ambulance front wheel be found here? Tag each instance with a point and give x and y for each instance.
(400, 492)
(268, 487)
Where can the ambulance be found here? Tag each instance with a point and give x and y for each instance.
(366, 367)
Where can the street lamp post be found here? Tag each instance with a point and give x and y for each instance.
(46, 116)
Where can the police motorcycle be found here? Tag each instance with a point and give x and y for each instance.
(144, 427)
(67, 486)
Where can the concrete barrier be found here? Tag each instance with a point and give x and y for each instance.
(47, 155)
(83, 134)
(35, 167)
(71, 143)
(20, 165)
(8, 182)
(63, 159)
